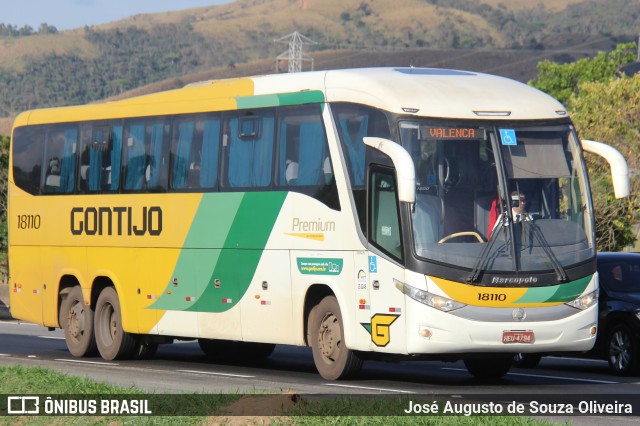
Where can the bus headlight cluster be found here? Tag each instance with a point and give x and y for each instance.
(585, 301)
(439, 302)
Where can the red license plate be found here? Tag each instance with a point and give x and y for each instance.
(517, 336)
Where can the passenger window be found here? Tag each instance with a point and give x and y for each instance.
(146, 157)
(28, 155)
(250, 149)
(60, 160)
(100, 159)
(303, 158)
(384, 225)
(195, 154)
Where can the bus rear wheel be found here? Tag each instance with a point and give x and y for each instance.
(325, 334)
(76, 319)
(488, 368)
(112, 341)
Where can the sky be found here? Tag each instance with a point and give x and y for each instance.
(69, 14)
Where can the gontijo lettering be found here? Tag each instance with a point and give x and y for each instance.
(116, 221)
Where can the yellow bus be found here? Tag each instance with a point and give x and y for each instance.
(367, 213)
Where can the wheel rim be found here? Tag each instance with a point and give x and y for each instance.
(329, 337)
(108, 324)
(620, 350)
(76, 320)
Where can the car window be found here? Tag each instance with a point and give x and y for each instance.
(620, 276)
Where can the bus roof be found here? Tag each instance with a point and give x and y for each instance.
(427, 92)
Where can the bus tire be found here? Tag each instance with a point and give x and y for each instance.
(325, 335)
(112, 341)
(76, 319)
(488, 368)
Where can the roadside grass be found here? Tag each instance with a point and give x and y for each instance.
(19, 380)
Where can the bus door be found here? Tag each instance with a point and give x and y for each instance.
(384, 262)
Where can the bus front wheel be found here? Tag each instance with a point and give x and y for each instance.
(76, 319)
(325, 334)
(113, 342)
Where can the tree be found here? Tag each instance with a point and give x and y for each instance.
(610, 112)
(605, 106)
(4, 167)
(563, 80)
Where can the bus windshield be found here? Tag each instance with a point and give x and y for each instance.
(499, 198)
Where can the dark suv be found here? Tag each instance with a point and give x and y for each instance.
(618, 339)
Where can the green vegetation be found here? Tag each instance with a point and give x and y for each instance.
(20, 380)
(604, 106)
(4, 168)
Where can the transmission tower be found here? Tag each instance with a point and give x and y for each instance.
(294, 55)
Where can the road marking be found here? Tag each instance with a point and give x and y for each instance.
(86, 362)
(5, 355)
(216, 374)
(14, 322)
(367, 388)
(51, 337)
(547, 377)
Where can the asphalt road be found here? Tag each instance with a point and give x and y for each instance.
(182, 367)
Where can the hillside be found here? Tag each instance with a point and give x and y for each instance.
(502, 37)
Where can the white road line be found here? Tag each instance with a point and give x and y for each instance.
(51, 337)
(20, 323)
(86, 362)
(367, 388)
(547, 377)
(216, 374)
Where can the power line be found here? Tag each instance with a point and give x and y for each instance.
(294, 55)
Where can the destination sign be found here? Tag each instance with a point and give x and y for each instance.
(457, 133)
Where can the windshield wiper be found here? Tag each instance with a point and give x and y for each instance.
(555, 263)
(483, 257)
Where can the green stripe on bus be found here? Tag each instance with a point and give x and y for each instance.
(282, 99)
(222, 251)
(244, 246)
(558, 293)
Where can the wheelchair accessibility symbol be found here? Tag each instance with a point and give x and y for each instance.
(373, 264)
(508, 137)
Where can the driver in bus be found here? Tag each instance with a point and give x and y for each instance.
(518, 203)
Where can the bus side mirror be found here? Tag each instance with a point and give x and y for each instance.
(405, 169)
(619, 168)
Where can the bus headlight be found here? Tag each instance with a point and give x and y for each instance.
(585, 301)
(439, 302)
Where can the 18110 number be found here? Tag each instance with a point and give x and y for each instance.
(28, 221)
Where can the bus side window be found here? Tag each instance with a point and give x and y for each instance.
(28, 157)
(195, 154)
(303, 155)
(250, 150)
(60, 155)
(208, 177)
(95, 159)
(182, 154)
(146, 163)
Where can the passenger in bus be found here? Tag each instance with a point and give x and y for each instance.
(291, 172)
(52, 181)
